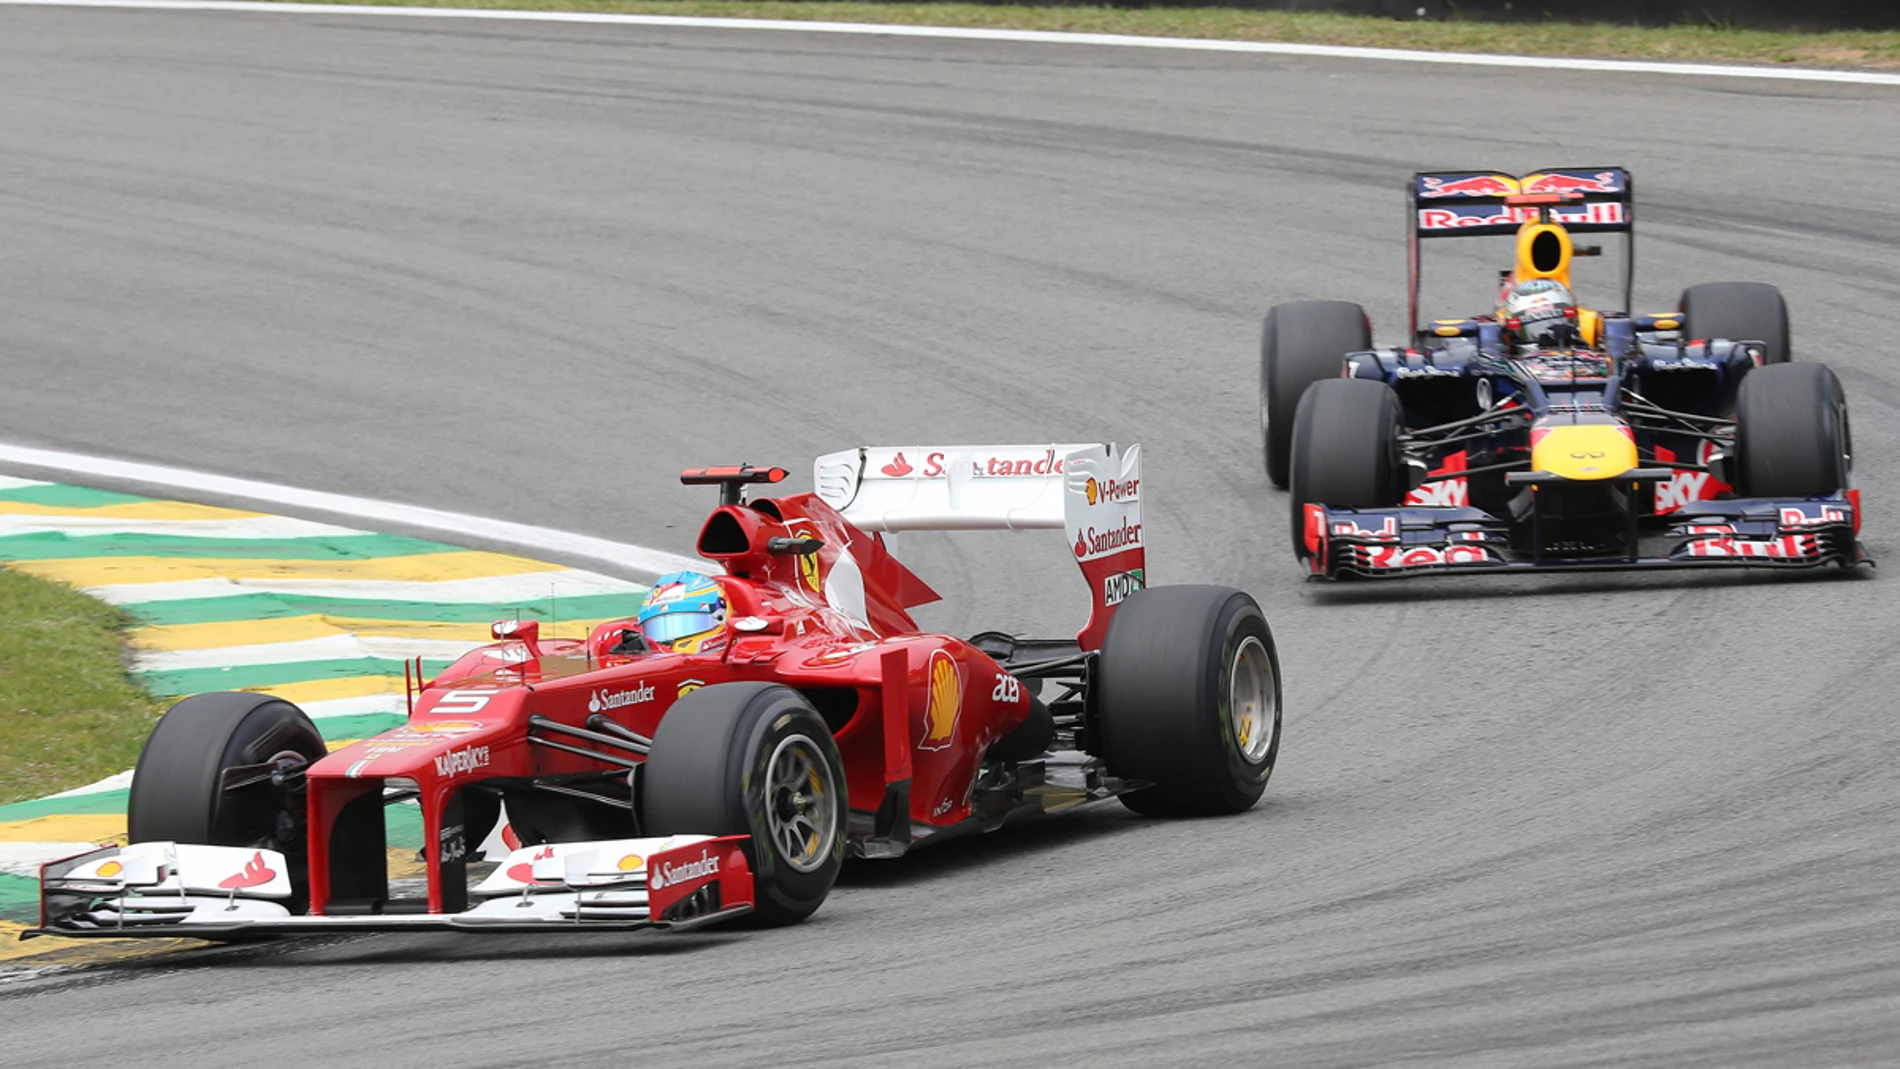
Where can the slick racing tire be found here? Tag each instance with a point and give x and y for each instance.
(1188, 700)
(754, 759)
(1791, 433)
(1738, 311)
(1345, 450)
(177, 787)
(1304, 342)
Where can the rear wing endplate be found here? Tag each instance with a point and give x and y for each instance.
(1091, 491)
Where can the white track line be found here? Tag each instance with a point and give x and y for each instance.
(526, 589)
(248, 529)
(649, 562)
(340, 647)
(1111, 40)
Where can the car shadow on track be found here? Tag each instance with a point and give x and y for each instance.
(957, 858)
(400, 948)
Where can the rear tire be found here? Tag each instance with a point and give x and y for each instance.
(1345, 450)
(1791, 432)
(177, 787)
(754, 759)
(1304, 342)
(1739, 311)
(1188, 699)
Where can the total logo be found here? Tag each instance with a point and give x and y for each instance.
(461, 762)
(1093, 543)
(936, 465)
(1118, 587)
(668, 873)
(1112, 490)
(620, 699)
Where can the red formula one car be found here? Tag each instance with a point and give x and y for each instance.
(717, 756)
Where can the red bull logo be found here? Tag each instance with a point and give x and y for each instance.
(1477, 185)
(1573, 182)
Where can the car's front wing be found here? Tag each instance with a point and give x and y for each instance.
(179, 889)
(1399, 542)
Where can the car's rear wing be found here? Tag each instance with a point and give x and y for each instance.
(1091, 491)
(1581, 200)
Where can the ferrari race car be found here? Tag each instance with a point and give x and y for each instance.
(716, 757)
(1549, 436)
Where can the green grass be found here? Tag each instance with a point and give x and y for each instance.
(69, 711)
(1685, 42)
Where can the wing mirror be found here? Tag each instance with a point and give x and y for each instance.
(795, 547)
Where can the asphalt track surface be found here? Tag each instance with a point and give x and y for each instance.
(529, 271)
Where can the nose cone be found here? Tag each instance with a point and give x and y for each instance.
(1584, 452)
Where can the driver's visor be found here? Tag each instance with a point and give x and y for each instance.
(673, 626)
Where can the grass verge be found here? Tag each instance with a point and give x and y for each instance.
(69, 711)
(1686, 42)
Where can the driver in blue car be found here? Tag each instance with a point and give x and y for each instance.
(1541, 313)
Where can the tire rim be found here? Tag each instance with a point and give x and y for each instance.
(1252, 708)
(801, 810)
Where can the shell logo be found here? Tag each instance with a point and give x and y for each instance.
(109, 869)
(944, 703)
(444, 727)
(1090, 490)
(631, 862)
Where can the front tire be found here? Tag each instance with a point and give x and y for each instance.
(1188, 700)
(754, 759)
(1303, 342)
(1345, 450)
(1791, 432)
(1739, 311)
(178, 785)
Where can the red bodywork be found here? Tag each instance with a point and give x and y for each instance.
(903, 705)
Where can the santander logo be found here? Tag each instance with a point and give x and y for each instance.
(669, 873)
(256, 871)
(937, 466)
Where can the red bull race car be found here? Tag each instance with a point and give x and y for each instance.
(1545, 435)
(716, 757)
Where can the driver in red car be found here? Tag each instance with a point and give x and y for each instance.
(685, 612)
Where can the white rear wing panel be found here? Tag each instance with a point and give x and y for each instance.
(1089, 490)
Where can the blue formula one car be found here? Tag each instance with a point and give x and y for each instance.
(1546, 435)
